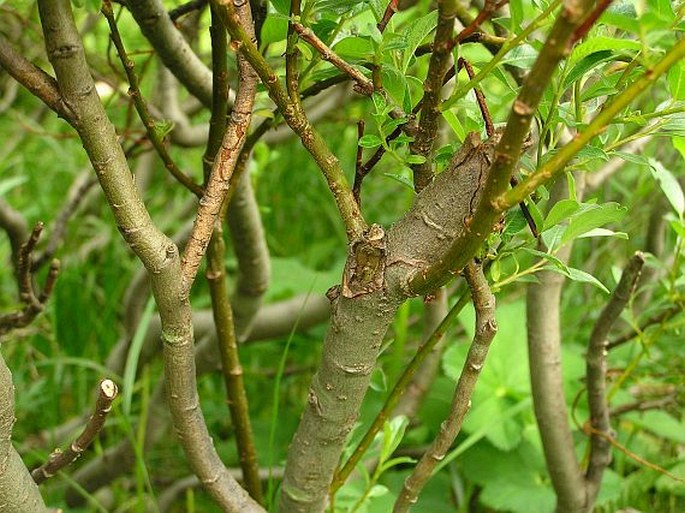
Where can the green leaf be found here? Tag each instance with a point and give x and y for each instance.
(416, 159)
(394, 83)
(354, 48)
(603, 232)
(522, 56)
(370, 141)
(393, 433)
(516, 9)
(281, 6)
(669, 185)
(586, 64)
(602, 43)
(134, 354)
(455, 125)
(10, 183)
(407, 182)
(416, 33)
(581, 276)
(275, 28)
(676, 80)
(560, 211)
(590, 217)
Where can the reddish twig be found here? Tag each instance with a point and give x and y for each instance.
(107, 391)
(388, 14)
(359, 171)
(33, 299)
(588, 22)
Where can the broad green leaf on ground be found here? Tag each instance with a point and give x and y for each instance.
(668, 484)
(516, 483)
(290, 278)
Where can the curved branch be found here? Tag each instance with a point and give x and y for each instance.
(172, 48)
(158, 253)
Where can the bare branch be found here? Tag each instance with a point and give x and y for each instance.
(600, 448)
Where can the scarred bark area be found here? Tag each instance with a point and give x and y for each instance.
(359, 323)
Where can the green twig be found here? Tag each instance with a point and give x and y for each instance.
(599, 123)
(141, 105)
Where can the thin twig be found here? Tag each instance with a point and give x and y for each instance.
(76, 195)
(587, 24)
(659, 318)
(390, 11)
(359, 171)
(141, 105)
(363, 84)
(485, 330)
(600, 450)
(33, 300)
(186, 8)
(107, 391)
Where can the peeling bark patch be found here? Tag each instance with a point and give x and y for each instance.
(358, 369)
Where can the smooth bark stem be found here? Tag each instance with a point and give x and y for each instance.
(546, 377)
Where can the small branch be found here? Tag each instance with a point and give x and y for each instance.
(186, 8)
(141, 105)
(480, 98)
(488, 10)
(600, 449)
(37, 81)
(15, 226)
(107, 391)
(659, 318)
(485, 330)
(395, 395)
(390, 11)
(84, 183)
(172, 47)
(292, 78)
(430, 102)
(587, 24)
(654, 404)
(216, 277)
(363, 84)
(33, 300)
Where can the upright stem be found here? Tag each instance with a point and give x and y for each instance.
(216, 276)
